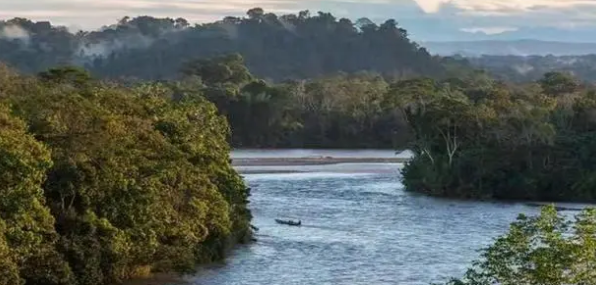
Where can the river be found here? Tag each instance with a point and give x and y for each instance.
(359, 227)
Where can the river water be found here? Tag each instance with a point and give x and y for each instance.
(359, 227)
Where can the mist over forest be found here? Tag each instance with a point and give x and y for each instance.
(277, 47)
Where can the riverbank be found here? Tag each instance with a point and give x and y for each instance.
(159, 279)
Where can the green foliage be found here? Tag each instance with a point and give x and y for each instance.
(339, 111)
(219, 70)
(484, 139)
(108, 183)
(277, 47)
(547, 249)
(66, 75)
(27, 235)
(556, 84)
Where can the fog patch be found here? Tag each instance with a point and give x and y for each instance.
(230, 29)
(15, 32)
(105, 47)
(287, 25)
(96, 45)
(523, 69)
(568, 60)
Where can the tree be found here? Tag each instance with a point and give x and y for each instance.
(557, 84)
(219, 70)
(255, 13)
(107, 182)
(66, 75)
(27, 235)
(276, 47)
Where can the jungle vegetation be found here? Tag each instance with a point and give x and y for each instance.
(276, 47)
(124, 169)
(498, 141)
(100, 182)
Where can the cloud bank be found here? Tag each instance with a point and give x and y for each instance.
(502, 6)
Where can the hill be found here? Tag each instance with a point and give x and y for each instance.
(275, 47)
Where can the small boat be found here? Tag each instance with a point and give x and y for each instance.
(289, 222)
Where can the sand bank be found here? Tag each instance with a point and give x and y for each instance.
(281, 161)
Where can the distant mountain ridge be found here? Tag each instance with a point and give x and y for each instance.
(274, 47)
(509, 47)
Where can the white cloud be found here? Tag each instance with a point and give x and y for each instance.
(524, 15)
(431, 6)
(489, 30)
(434, 6)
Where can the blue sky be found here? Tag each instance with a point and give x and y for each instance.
(438, 20)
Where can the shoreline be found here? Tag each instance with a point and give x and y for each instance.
(175, 279)
(158, 279)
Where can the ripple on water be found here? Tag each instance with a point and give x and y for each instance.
(358, 228)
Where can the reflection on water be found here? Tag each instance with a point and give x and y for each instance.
(359, 227)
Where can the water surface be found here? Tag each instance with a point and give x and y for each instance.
(359, 227)
(297, 153)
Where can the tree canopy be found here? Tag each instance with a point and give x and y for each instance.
(492, 140)
(102, 183)
(276, 47)
(340, 111)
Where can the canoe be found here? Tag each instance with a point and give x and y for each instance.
(288, 222)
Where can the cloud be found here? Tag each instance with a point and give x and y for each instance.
(522, 13)
(489, 30)
(431, 6)
(571, 20)
(504, 6)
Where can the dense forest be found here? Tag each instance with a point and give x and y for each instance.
(498, 141)
(275, 47)
(340, 111)
(107, 179)
(102, 182)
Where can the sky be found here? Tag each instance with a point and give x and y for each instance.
(426, 20)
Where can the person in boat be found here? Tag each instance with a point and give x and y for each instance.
(289, 222)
